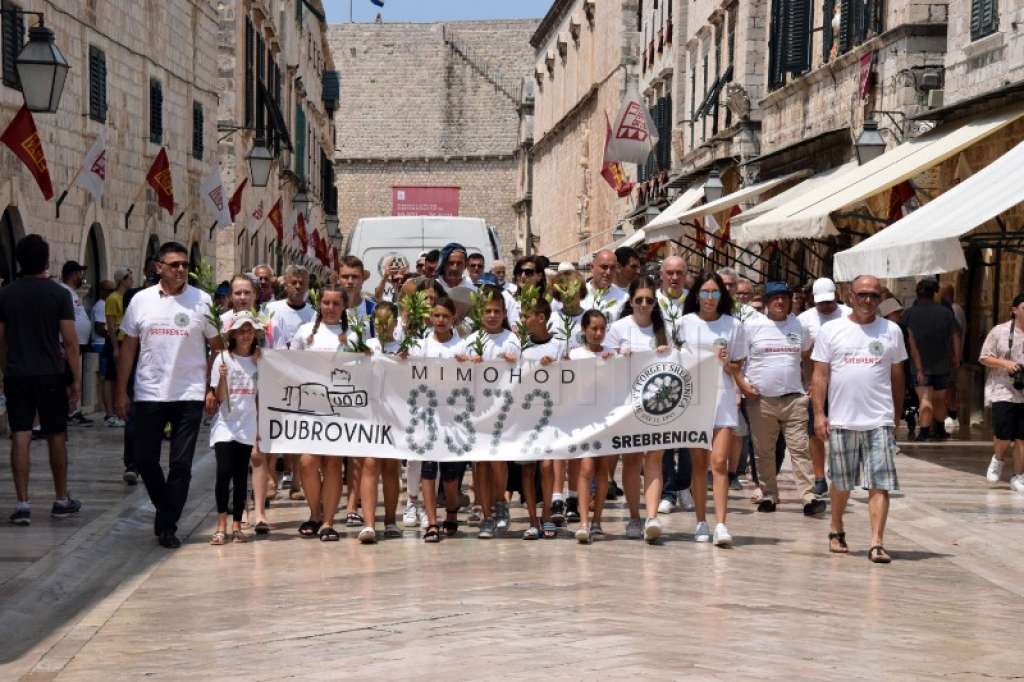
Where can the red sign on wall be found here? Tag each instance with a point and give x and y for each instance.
(425, 201)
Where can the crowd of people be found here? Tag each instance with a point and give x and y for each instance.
(803, 373)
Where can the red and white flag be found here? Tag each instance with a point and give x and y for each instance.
(214, 196)
(634, 134)
(612, 171)
(255, 220)
(93, 176)
(22, 136)
(235, 205)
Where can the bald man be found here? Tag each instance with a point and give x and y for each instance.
(602, 292)
(858, 366)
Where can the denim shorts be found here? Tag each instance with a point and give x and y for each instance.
(863, 458)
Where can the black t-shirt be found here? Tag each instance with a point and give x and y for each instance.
(31, 309)
(932, 326)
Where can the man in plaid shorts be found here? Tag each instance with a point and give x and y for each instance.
(857, 366)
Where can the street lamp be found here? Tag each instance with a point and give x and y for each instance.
(332, 223)
(619, 232)
(42, 70)
(713, 187)
(870, 145)
(301, 202)
(260, 160)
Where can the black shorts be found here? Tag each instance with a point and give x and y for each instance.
(937, 382)
(43, 395)
(1008, 420)
(450, 471)
(810, 415)
(107, 362)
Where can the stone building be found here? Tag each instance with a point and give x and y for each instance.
(278, 84)
(437, 108)
(146, 72)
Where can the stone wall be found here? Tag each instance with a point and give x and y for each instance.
(974, 67)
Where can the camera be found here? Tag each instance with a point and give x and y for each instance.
(1018, 379)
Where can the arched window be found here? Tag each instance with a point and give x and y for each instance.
(96, 268)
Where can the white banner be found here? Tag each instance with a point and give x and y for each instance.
(215, 198)
(93, 176)
(443, 410)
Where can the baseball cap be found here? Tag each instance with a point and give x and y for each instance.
(240, 319)
(776, 289)
(488, 278)
(889, 306)
(823, 290)
(120, 274)
(70, 267)
(566, 266)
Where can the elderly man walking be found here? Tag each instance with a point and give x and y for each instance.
(858, 364)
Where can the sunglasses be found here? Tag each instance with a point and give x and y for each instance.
(643, 300)
(867, 296)
(176, 265)
(710, 295)
(529, 272)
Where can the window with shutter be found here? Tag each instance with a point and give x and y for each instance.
(828, 8)
(261, 105)
(300, 142)
(250, 83)
(97, 84)
(796, 53)
(776, 44)
(652, 159)
(13, 40)
(156, 112)
(197, 131)
(693, 106)
(984, 21)
(845, 26)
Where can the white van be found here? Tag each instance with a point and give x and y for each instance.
(374, 239)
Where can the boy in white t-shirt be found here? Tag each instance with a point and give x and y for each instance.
(167, 325)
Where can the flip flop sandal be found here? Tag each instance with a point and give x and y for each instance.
(219, 538)
(840, 538)
(328, 534)
(451, 528)
(878, 555)
(238, 536)
(310, 528)
(550, 530)
(261, 528)
(432, 534)
(353, 520)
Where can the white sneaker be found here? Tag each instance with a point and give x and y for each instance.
(652, 530)
(951, 424)
(583, 535)
(368, 536)
(702, 533)
(722, 537)
(685, 500)
(665, 507)
(995, 470)
(1017, 484)
(424, 521)
(410, 518)
(635, 529)
(502, 517)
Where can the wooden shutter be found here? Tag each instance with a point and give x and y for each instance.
(97, 84)
(984, 21)
(250, 84)
(828, 8)
(197, 130)
(796, 53)
(156, 112)
(13, 40)
(261, 105)
(845, 26)
(776, 72)
(300, 142)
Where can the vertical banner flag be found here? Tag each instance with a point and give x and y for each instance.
(633, 131)
(255, 220)
(212, 189)
(277, 220)
(300, 231)
(235, 205)
(23, 138)
(335, 259)
(159, 178)
(93, 176)
(726, 231)
(612, 171)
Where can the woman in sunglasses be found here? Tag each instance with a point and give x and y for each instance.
(641, 328)
(708, 328)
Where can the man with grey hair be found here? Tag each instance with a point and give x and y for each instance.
(263, 275)
(741, 310)
(858, 365)
(602, 292)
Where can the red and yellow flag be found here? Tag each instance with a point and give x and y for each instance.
(159, 178)
(612, 171)
(22, 137)
(277, 220)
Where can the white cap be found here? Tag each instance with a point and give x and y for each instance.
(889, 306)
(824, 290)
(566, 266)
(236, 320)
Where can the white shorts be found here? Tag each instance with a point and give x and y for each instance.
(727, 412)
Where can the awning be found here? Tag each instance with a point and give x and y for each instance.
(740, 196)
(927, 242)
(808, 216)
(739, 225)
(670, 216)
(631, 240)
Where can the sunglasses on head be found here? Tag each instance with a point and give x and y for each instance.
(710, 295)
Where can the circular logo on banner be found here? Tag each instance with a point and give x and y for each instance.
(793, 338)
(876, 348)
(182, 320)
(661, 393)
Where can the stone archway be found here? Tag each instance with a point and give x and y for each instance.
(95, 260)
(11, 230)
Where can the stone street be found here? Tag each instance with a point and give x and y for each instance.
(94, 598)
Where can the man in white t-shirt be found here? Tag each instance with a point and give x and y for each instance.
(351, 275)
(675, 463)
(602, 292)
(167, 325)
(775, 396)
(72, 276)
(825, 309)
(290, 313)
(858, 365)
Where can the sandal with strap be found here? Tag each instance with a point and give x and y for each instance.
(238, 536)
(451, 528)
(261, 528)
(310, 528)
(840, 538)
(353, 520)
(878, 555)
(432, 534)
(550, 529)
(328, 534)
(219, 538)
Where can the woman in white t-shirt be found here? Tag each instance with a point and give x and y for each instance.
(233, 433)
(385, 318)
(707, 328)
(594, 326)
(641, 327)
(494, 341)
(328, 333)
(441, 342)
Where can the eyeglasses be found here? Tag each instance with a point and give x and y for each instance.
(643, 300)
(528, 273)
(710, 295)
(176, 265)
(867, 296)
